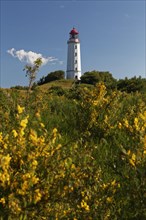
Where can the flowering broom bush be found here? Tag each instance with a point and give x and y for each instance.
(94, 169)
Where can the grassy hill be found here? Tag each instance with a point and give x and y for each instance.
(65, 84)
(80, 154)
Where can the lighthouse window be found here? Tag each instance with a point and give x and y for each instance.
(76, 69)
(75, 46)
(75, 61)
(75, 54)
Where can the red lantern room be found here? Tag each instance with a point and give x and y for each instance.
(74, 33)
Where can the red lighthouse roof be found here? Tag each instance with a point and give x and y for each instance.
(74, 31)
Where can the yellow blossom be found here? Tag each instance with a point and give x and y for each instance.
(113, 183)
(119, 125)
(37, 196)
(64, 212)
(33, 135)
(83, 193)
(1, 137)
(58, 146)
(34, 179)
(24, 185)
(136, 123)
(135, 120)
(73, 166)
(104, 186)
(37, 115)
(54, 130)
(2, 200)
(128, 152)
(126, 123)
(132, 162)
(114, 191)
(65, 188)
(20, 192)
(26, 176)
(42, 125)
(5, 179)
(95, 102)
(119, 185)
(133, 157)
(34, 163)
(85, 205)
(23, 122)
(21, 132)
(14, 205)
(109, 199)
(4, 161)
(106, 119)
(144, 142)
(14, 132)
(86, 198)
(20, 109)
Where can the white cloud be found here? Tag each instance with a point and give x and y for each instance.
(11, 51)
(30, 56)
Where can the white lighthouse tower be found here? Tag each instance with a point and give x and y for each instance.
(73, 56)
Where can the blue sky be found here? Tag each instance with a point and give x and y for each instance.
(112, 36)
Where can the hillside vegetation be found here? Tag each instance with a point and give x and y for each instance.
(73, 151)
(91, 78)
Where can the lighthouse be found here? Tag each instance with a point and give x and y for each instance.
(73, 56)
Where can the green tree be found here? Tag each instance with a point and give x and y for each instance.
(56, 75)
(31, 71)
(132, 85)
(94, 77)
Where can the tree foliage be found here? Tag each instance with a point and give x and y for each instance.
(132, 85)
(128, 85)
(94, 77)
(31, 71)
(56, 75)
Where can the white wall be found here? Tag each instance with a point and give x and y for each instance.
(73, 59)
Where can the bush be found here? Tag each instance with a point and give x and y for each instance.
(94, 77)
(58, 90)
(57, 75)
(132, 85)
(20, 87)
(82, 157)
